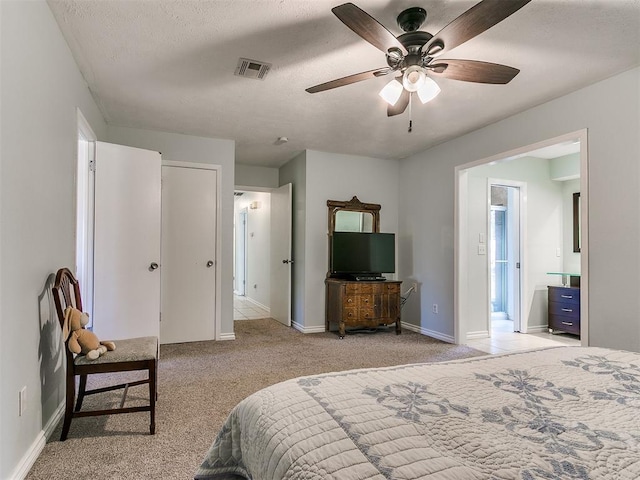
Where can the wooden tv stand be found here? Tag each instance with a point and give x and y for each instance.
(362, 304)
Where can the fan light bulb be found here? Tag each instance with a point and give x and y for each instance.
(414, 78)
(391, 92)
(428, 91)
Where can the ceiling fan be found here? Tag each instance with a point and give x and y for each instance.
(414, 54)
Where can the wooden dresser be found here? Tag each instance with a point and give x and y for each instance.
(362, 304)
(564, 309)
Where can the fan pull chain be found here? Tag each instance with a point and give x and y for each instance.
(410, 115)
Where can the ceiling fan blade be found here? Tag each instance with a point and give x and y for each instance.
(357, 77)
(367, 27)
(401, 104)
(474, 21)
(474, 71)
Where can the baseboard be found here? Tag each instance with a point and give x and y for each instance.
(227, 336)
(257, 304)
(22, 469)
(478, 334)
(428, 333)
(538, 329)
(303, 329)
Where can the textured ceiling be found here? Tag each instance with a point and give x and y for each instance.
(169, 65)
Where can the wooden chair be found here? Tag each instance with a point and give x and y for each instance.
(129, 355)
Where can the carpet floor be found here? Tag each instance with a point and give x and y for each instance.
(198, 385)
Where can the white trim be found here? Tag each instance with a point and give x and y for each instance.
(29, 458)
(303, 329)
(428, 333)
(538, 329)
(461, 231)
(257, 303)
(246, 188)
(478, 334)
(218, 335)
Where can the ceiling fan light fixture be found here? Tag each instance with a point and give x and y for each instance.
(414, 78)
(391, 92)
(428, 91)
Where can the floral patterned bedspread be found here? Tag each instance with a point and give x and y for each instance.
(559, 413)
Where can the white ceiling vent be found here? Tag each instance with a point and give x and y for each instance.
(252, 69)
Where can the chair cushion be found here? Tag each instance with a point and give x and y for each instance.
(128, 350)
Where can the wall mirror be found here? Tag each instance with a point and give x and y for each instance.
(576, 222)
(353, 216)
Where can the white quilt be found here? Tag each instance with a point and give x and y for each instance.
(559, 413)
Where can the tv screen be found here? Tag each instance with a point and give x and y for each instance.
(354, 252)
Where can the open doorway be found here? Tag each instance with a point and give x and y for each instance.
(546, 243)
(504, 255)
(252, 246)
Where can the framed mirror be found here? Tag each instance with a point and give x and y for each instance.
(576, 222)
(353, 216)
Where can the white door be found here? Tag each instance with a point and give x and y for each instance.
(281, 260)
(189, 203)
(126, 242)
(241, 252)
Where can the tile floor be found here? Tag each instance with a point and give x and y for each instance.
(244, 309)
(504, 339)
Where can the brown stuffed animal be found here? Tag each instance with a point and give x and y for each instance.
(82, 340)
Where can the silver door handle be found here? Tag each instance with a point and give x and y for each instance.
(153, 266)
(210, 264)
(287, 261)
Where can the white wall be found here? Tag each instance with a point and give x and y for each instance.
(256, 176)
(544, 221)
(258, 279)
(186, 148)
(611, 113)
(40, 90)
(333, 176)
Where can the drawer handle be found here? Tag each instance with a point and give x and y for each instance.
(567, 310)
(566, 296)
(567, 323)
(366, 300)
(349, 301)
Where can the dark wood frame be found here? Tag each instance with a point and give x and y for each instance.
(353, 205)
(576, 222)
(66, 292)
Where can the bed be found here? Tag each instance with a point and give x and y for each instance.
(566, 412)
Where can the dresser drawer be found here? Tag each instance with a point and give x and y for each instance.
(359, 287)
(564, 323)
(564, 309)
(564, 295)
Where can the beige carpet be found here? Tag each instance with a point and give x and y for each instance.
(200, 382)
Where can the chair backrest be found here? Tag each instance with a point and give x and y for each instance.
(66, 293)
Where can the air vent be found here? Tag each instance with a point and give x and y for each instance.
(238, 194)
(252, 69)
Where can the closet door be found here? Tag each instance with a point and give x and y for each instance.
(189, 209)
(126, 242)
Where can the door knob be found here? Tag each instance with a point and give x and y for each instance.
(287, 261)
(153, 266)
(210, 264)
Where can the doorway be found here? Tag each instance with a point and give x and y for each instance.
(537, 260)
(505, 245)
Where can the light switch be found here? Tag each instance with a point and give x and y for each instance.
(482, 249)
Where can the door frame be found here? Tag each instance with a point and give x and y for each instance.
(461, 230)
(84, 218)
(218, 293)
(518, 325)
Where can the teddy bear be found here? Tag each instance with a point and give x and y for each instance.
(82, 340)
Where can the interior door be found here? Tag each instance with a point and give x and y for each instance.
(189, 205)
(126, 242)
(241, 253)
(281, 259)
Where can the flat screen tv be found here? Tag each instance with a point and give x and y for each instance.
(362, 255)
